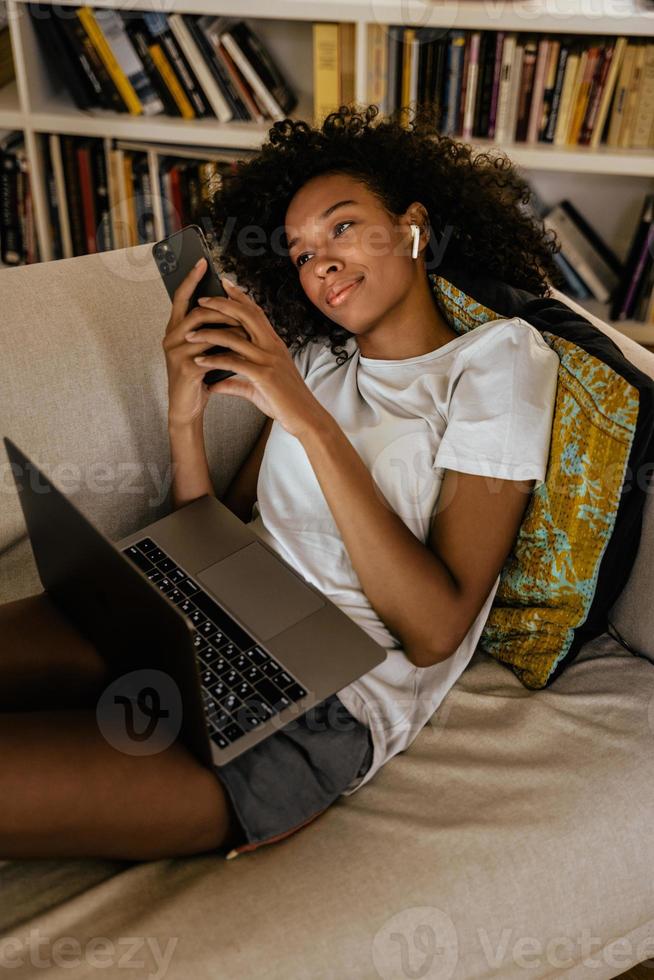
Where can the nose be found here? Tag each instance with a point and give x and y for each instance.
(325, 265)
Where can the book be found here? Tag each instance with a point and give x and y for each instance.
(540, 78)
(119, 77)
(210, 88)
(73, 194)
(257, 65)
(54, 142)
(326, 71)
(497, 77)
(377, 67)
(526, 90)
(509, 50)
(346, 41)
(608, 91)
(162, 34)
(60, 58)
(11, 235)
(471, 86)
(632, 97)
(644, 113)
(551, 73)
(641, 243)
(216, 65)
(212, 27)
(89, 216)
(139, 35)
(565, 100)
(103, 91)
(591, 259)
(621, 92)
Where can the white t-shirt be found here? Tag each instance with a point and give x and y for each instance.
(482, 403)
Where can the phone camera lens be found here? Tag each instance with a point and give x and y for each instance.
(164, 268)
(173, 263)
(160, 252)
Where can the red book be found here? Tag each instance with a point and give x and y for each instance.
(88, 203)
(176, 194)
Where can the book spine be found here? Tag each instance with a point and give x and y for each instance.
(139, 38)
(72, 181)
(508, 64)
(326, 71)
(548, 93)
(169, 78)
(485, 84)
(108, 94)
(593, 66)
(88, 205)
(11, 246)
(565, 102)
(536, 109)
(526, 90)
(564, 52)
(647, 247)
(640, 236)
(621, 92)
(463, 85)
(101, 188)
(54, 142)
(607, 92)
(497, 77)
(595, 95)
(644, 115)
(633, 97)
(471, 88)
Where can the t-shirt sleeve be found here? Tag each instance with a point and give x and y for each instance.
(304, 358)
(501, 399)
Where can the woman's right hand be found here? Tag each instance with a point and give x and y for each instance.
(187, 393)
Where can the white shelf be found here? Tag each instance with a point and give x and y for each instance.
(629, 17)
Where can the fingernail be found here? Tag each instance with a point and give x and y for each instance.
(203, 299)
(200, 360)
(198, 262)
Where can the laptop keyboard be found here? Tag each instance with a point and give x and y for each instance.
(242, 684)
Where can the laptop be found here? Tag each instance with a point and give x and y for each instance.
(249, 644)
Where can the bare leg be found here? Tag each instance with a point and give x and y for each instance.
(44, 661)
(66, 792)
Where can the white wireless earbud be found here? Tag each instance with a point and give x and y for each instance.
(415, 231)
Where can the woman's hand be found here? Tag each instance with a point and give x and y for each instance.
(270, 378)
(187, 393)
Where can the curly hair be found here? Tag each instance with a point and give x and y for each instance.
(478, 198)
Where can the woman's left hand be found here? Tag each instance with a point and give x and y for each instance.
(271, 380)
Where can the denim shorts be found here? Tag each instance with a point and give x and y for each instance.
(287, 780)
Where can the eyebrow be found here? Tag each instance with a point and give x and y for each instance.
(325, 214)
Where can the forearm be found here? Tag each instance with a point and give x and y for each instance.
(189, 463)
(409, 588)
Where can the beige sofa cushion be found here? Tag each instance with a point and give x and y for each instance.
(84, 394)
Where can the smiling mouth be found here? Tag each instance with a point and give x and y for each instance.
(344, 293)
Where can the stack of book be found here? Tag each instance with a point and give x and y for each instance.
(153, 63)
(18, 242)
(590, 267)
(515, 87)
(104, 193)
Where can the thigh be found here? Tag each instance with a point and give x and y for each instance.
(67, 792)
(44, 657)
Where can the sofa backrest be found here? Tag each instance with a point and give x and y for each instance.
(84, 394)
(84, 391)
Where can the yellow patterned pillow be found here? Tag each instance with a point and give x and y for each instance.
(578, 538)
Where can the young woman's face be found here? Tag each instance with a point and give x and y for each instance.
(357, 242)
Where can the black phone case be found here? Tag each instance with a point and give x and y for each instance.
(174, 257)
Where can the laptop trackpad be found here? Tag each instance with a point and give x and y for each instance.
(260, 590)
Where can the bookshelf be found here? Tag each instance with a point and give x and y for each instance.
(37, 104)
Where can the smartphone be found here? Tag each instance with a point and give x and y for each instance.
(175, 256)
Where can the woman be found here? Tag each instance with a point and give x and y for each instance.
(393, 472)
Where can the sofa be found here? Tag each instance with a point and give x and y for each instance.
(512, 839)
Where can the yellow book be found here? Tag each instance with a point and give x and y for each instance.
(130, 200)
(346, 56)
(621, 91)
(607, 91)
(565, 104)
(633, 98)
(118, 76)
(164, 68)
(645, 110)
(578, 105)
(407, 56)
(326, 71)
(377, 65)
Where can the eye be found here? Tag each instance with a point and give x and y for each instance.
(340, 224)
